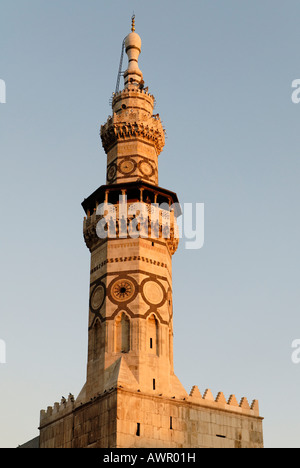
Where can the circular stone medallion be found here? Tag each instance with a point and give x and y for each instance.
(153, 292)
(146, 168)
(97, 297)
(127, 166)
(111, 172)
(123, 290)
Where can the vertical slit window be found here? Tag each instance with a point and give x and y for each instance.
(138, 429)
(153, 334)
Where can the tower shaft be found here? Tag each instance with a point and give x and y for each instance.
(131, 311)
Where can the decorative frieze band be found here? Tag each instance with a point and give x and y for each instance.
(128, 259)
(151, 130)
(162, 232)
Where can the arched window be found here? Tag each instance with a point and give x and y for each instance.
(152, 335)
(97, 339)
(122, 328)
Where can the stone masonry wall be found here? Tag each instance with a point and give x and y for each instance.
(90, 425)
(191, 426)
(126, 419)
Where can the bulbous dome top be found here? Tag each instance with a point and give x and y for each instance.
(133, 44)
(133, 40)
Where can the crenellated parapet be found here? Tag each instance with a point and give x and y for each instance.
(134, 97)
(58, 410)
(221, 403)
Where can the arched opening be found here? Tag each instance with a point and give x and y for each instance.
(122, 333)
(96, 340)
(152, 335)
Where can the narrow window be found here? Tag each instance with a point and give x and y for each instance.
(171, 422)
(153, 384)
(122, 328)
(153, 334)
(138, 429)
(97, 340)
(152, 244)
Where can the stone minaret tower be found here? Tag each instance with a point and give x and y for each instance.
(131, 311)
(131, 397)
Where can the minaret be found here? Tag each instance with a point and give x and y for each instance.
(131, 310)
(132, 398)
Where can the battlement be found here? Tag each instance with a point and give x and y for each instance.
(132, 90)
(220, 402)
(57, 411)
(133, 98)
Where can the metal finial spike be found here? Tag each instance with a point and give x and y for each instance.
(133, 23)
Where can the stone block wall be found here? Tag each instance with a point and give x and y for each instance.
(127, 419)
(173, 423)
(89, 425)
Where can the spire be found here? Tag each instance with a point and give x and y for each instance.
(133, 43)
(133, 23)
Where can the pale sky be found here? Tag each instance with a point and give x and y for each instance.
(221, 73)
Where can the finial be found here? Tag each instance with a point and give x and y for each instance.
(133, 23)
(133, 43)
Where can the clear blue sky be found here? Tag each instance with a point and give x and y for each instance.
(221, 73)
